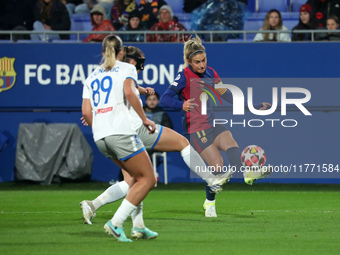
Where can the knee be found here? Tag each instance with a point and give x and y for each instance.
(231, 144)
(37, 25)
(183, 142)
(154, 181)
(151, 182)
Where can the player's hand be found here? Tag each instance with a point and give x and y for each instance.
(189, 105)
(83, 121)
(150, 125)
(265, 106)
(149, 91)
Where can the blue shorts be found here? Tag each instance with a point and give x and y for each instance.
(204, 138)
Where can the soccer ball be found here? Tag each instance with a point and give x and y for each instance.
(253, 155)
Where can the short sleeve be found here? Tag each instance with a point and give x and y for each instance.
(86, 92)
(131, 73)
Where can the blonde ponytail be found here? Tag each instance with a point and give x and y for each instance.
(191, 47)
(111, 46)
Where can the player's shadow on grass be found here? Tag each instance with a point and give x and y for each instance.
(195, 213)
(179, 212)
(241, 216)
(90, 234)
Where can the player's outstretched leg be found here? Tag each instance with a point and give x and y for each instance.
(111, 194)
(257, 173)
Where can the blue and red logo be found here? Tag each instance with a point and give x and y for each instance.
(208, 90)
(7, 73)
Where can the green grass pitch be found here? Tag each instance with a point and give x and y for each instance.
(260, 219)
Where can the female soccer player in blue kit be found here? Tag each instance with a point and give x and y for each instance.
(206, 139)
(106, 95)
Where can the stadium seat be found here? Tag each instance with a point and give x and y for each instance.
(6, 41)
(240, 40)
(296, 4)
(29, 41)
(176, 5)
(266, 5)
(252, 25)
(184, 19)
(80, 22)
(165, 164)
(66, 41)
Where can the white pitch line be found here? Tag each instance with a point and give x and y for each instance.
(52, 212)
(292, 211)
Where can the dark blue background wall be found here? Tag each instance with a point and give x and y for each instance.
(262, 66)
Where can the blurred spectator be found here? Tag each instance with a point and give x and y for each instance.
(332, 24)
(71, 5)
(273, 21)
(166, 23)
(155, 112)
(323, 9)
(120, 12)
(87, 6)
(219, 15)
(51, 15)
(190, 5)
(149, 11)
(100, 23)
(16, 15)
(306, 22)
(133, 24)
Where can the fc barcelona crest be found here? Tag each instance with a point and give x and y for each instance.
(7, 73)
(204, 139)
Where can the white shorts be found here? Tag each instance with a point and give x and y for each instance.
(120, 147)
(149, 140)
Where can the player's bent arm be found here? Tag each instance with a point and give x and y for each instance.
(86, 110)
(228, 96)
(145, 91)
(168, 99)
(141, 90)
(131, 96)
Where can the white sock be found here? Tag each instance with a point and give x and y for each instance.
(207, 201)
(122, 213)
(198, 166)
(111, 194)
(137, 216)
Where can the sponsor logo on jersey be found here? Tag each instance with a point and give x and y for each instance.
(7, 73)
(105, 110)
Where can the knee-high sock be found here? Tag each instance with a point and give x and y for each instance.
(111, 194)
(234, 156)
(196, 164)
(122, 213)
(210, 195)
(137, 216)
